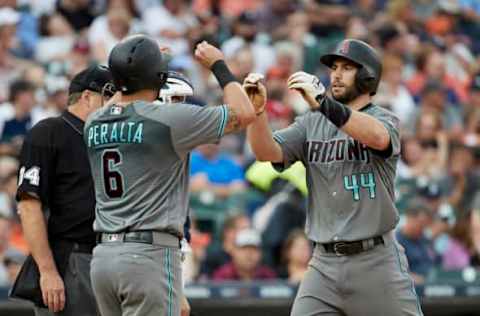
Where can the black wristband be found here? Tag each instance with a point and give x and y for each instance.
(336, 112)
(222, 73)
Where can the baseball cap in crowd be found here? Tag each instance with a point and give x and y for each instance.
(416, 206)
(248, 237)
(94, 78)
(8, 16)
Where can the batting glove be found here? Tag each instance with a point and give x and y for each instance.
(256, 91)
(308, 85)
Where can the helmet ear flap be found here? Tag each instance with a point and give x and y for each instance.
(364, 81)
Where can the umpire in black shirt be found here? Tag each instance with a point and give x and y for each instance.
(55, 177)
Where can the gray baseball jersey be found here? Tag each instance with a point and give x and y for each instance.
(139, 156)
(351, 194)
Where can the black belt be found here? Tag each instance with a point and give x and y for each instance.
(83, 248)
(145, 237)
(349, 248)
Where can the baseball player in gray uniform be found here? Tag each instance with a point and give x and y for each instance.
(350, 149)
(139, 154)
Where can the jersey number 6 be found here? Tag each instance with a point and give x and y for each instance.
(112, 178)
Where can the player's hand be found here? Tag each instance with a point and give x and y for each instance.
(308, 85)
(256, 91)
(185, 306)
(208, 54)
(53, 291)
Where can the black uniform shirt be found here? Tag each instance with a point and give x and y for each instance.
(54, 168)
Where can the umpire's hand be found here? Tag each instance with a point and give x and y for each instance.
(208, 54)
(53, 290)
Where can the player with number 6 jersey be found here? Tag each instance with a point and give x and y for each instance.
(139, 153)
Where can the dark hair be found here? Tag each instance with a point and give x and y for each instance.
(230, 222)
(18, 87)
(288, 244)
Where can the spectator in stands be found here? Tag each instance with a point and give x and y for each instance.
(23, 100)
(79, 13)
(170, 23)
(434, 99)
(418, 249)
(107, 30)
(57, 38)
(328, 17)
(219, 254)
(4, 245)
(214, 172)
(459, 247)
(462, 181)
(472, 114)
(431, 67)
(13, 261)
(297, 252)
(246, 260)
(392, 92)
(273, 17)
(11, 67)
(474, 228)
(245, 36)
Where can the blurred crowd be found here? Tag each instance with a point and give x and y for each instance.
(247, 220)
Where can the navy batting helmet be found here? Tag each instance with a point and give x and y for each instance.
(136, 63)
(365, 57)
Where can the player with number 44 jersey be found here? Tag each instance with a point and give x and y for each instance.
(350, 148)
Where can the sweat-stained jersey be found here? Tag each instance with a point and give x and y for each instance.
(351, 193)
(139, 155)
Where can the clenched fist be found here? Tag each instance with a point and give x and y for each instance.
(256, 91)
(308, 85)
(207, 54)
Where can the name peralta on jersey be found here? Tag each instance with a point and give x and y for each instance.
(351, 186)
(139, 156)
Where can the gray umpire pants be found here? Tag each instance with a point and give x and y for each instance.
(79, 299)
(136, 279)
(373, 283)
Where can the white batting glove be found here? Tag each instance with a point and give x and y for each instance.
(308, 85)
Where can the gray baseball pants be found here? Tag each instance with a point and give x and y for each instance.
(373, 283)
(137, 279)
(79, 300)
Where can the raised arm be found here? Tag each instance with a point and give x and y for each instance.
(240, 109)
(360, 126)
(259, 135)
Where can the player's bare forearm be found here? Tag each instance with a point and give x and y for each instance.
(261, 141)
(35, 232)
(367, 130)
(240, 109)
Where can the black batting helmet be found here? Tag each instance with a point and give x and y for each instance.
(136, 63)
(366, 58)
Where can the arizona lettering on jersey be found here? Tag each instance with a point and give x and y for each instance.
(336, 150)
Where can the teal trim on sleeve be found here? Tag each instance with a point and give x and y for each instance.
(278, 139)
(223, 122)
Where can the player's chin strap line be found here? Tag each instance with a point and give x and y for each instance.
(335, 111)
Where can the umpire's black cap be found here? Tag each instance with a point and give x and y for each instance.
(95, 78)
